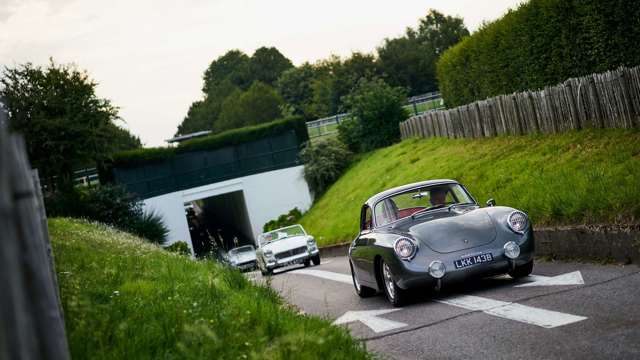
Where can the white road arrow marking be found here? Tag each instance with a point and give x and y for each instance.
(508, 310)
(329, 275)
(371, 319)
(572, 278)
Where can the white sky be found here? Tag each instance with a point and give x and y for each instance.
(149, 56)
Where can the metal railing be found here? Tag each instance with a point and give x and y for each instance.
(417, 105)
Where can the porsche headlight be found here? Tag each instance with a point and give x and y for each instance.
(511, 250)
(437, 269)
(518, 221)
(405, 248)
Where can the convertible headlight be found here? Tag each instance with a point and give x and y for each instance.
(518, 221)
(405, 248)
(268, 253)
(311, 242)
(511, 250)
(437, 269)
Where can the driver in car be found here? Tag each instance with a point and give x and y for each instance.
(437, 196)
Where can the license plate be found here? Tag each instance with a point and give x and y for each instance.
(473, 260)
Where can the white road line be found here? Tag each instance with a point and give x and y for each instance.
(329, 275)
(507, 310)
(512, 311)
(572, 278)
(370, 318)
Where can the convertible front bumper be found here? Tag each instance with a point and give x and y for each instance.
(274, 263)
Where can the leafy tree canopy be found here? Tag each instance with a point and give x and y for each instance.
(65, 124)
(409, 61)
(259, 104)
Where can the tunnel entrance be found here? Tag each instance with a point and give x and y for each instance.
(218, 223)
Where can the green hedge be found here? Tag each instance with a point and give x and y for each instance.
(144, 156)
(543, 42)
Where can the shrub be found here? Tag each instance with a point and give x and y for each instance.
(111, 205)
(140, 157)
(291, 218)
(325, 160)
(377, 109)
(179, 247)
(150, 226)
(543, 42)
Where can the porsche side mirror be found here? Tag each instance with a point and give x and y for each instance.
(491, 202)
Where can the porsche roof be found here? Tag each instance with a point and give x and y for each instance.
(375, 198)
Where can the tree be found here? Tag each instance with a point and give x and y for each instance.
(267, 64)
(233, 67)
(296, 88)
(202, 114)
(260, 103)
(64, 123)
(409, 61)
(376, 110)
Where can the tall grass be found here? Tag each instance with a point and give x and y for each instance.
(127, 299)
(581, 177)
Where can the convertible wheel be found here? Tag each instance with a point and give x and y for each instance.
(522, 271)
(396, 296)
(316, 260)
(362, 291)
(307, 263)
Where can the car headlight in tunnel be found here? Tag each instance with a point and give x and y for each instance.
(518, 221)
(268, 253)
(511, 250)
(405, 248)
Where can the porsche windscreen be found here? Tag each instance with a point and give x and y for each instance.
(415, 201)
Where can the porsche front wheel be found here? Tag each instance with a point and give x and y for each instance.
(396, 296)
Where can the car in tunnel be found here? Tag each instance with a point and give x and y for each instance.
(242, 258)
(434, 233)
(286, 246)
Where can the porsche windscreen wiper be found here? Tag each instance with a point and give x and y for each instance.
(434, 207)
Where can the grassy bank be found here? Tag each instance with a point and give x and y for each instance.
(590, 176)
(125, 299)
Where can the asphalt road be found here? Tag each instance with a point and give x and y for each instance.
(569, 310)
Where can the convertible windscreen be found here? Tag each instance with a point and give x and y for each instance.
(283, 233)
(411, 202)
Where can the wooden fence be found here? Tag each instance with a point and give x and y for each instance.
(606, 100)
(31, 322)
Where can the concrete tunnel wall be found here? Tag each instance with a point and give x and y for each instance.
(267, 195)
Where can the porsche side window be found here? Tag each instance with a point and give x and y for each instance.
(366, 218)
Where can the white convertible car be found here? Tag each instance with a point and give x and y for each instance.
(242, 258)
(286, 246)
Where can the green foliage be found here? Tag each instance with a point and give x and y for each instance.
(66, 126)
(324, 161)
(180, 248)
(543, 42)
(111, 205)
(290, 218)
(230, 82)
(295, 87)
(376, 109)
(580, 177)
(259, 104)
(215, 141)
(409, 61)
(267, 64)
(124, 299)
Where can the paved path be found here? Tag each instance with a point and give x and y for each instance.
(567, 310)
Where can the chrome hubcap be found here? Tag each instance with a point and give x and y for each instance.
(388, 280)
